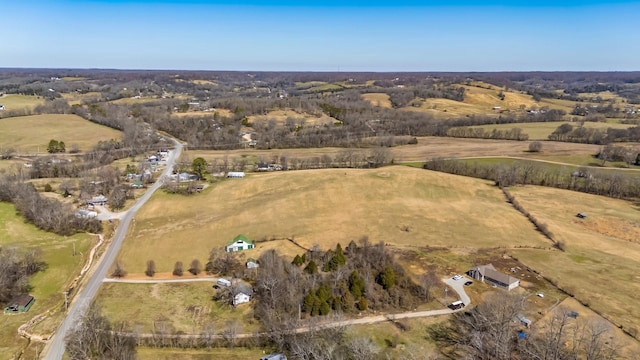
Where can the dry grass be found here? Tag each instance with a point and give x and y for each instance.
(378, 99)
(326, 207)
(541, 131)
(182, 307)
(17, 102)
(220, 112)
(204, 82)
(77, 98)
(31, 134)
(593, 245)
(426, 149)
(281, 115)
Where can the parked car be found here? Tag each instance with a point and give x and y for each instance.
(468, 283)
(457, 277)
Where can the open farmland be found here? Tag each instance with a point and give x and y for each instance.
(57, 252)
(326, 207)
(280, 116)
(542, 130)
(31, 134)
(427, 148)
(378, 99)
(593, 245)
(20, 102)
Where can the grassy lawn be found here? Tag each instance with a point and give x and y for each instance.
(325, 207)
(57, 252)
(575, 163)
(610, 235)
(184, 307)
(18, 102)
(30, 134)
(542, 130)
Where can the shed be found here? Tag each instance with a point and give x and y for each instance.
(524, 320)
(252, 263)
(19, 304)
(240, 242)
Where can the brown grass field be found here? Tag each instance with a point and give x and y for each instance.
(426, 149)
(31, 134)
(281, 115)
(602, 252)
(188, 354)
(325, 207)
(541, 131)
(378, 99)
(19, 102)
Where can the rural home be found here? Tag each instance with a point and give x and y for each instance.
(242, 294)
(98, 200)
(491, 275)
(86, 214)
(240, 242)
(19, 304)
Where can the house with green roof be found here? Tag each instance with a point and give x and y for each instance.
(240, 242)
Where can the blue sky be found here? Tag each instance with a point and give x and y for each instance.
(332, 35)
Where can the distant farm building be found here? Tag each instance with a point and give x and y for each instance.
(19, 304)
(1, 107)
(239, 243)
(235, 174)
(490, 274)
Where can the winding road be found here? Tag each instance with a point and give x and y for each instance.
(55, 348)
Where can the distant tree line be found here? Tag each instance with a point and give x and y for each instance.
(481, 133)
(588, 135)
(611, 184)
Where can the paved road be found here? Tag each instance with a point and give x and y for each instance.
(55, 348)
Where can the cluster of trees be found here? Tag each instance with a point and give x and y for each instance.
(94, 337)
(491, 331)
(56, 146)
(401, 97)
(47, 214)
(481, 133)
(16, 265)
(612, 184)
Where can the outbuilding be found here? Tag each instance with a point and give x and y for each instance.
(19, 304)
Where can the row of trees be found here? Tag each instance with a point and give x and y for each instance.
(481, 133)
(612, 184)
(47, 214)
(588, 135)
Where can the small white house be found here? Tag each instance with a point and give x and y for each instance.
(242, 294)
(252, 263)
(86, 214)
(1, 107)
(98, 200)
